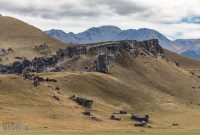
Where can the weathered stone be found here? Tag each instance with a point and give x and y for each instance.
(140, 118)
(140, 124)
(108, 49)
(3, 69)
(175, 124)
(177, 64)
(123, 112)
(82, 101)
(114, 117)
(102, 63)
(87, 112)
(56, 98)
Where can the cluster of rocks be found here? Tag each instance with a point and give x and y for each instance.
(82, 101)
(109, 50)
(87, 104)
(4, 52)
(103, 50)
(150, 47)
(43, 49)
(141, 121)
(37, 79)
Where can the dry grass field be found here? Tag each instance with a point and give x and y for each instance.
(141, 85)
(157, 88)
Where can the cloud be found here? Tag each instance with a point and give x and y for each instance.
(121, 7)
(175, 19)
(193, 19)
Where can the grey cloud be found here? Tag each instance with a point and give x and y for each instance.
(76, 8)
(61, 9)
(122, 7)
(16, 7)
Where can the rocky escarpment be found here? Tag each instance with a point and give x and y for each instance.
(106, 49)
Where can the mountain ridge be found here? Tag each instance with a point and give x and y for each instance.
(188, 47)
(111, 33)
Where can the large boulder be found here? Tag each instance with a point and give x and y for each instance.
(102, 63)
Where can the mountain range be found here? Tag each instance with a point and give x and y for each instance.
(186, 47)
(111, 33)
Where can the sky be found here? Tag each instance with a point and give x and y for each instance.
(173, 18)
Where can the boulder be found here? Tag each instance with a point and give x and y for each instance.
(140, 124)
(56, 98)
(114, 117)
(102, 64)
(123, 112)
(144, 118)
(82, 101)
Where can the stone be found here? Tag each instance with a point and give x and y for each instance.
(102, 63)
(177, 64)
(140, 118)
(175, 124)
(114, 117)
(56, 98)
(140, 124)
(87, 112)
(82, 101)
(108, 50)
(123, 112)
(95, 118)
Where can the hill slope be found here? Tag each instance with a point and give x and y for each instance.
(146, 83)
(22, 38)
(141, 85)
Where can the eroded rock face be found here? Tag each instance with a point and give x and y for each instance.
(106, 51)
(19, 67)
(103, 63)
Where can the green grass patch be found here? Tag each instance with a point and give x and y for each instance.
(141, 132)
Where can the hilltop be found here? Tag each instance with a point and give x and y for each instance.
(22, 38)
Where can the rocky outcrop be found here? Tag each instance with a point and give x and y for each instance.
(102, 63)
(106, 50)
(4, 52)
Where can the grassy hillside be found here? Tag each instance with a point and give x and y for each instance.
(155, 87)
(185, 62)
(22, 38)
(141, 85)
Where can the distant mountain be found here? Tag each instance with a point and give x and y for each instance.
(92, 35)
(188, 47)
(111, 33)
(144, 34)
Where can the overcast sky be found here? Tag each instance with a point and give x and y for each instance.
(173, 18)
